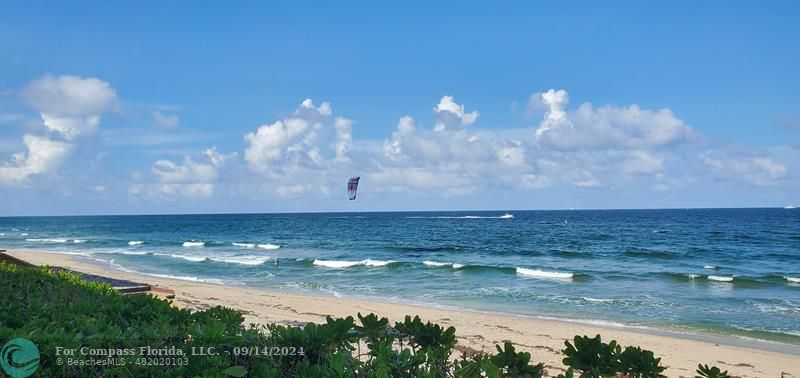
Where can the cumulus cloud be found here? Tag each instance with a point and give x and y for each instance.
(606, 127)
(169, 121)
(70, 105)
(312, 139)
(42, 156)
(641, 163)
(452, 116)
(311, 153)
(193, 178)
(453, 160)
(555, 117)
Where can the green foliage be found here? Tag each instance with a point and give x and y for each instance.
(591, 357)
(636, 362)
(515, 364)
(55, 309)
(704, 371)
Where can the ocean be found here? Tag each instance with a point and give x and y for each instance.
(709, 271)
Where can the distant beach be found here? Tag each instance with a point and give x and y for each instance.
(477, 331)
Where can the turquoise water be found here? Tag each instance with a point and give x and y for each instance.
(724, 271)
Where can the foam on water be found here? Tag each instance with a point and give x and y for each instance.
(709, 267)
(348, 264)
(78, 241)
(135, 242)
(243, 260)
(268, 246)
(543, 274)
(597, 300)
(193, 244)
(168, 276)
(185, 257)
(245, 245)
(370, 262)
(47, 240)
(792, 279)
(335, 263)
(436, 264)
(721, 278)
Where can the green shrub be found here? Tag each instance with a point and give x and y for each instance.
(56, 309)
(704, 371)
(591, 356)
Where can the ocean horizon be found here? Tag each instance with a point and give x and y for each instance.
(714, 271)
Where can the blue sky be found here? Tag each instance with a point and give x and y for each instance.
(147, 107)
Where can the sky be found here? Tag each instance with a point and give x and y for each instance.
(227, 107)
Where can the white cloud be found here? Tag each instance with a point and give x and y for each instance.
(392, 148)
(310, 153)
(169, 121)
(71, 127)
(344, 138)
(70, 105)
(188, 172)
(606, 127)
(641, 163)
(42, 156)
(555, 117)
(453, 160)
(757, 170)
(452, 116)
(191, 178)
(291, 191)
(312, 138)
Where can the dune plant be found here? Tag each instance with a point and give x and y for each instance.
(704, 371)
(58, 310)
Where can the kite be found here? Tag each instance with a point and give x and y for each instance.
(352, 187)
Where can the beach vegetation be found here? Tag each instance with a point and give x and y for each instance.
(59, 311)
(704, 371)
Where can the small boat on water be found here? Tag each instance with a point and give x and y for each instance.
(790, 207)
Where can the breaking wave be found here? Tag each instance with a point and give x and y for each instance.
(720, 278)
(348, 264)
(435, 264)
(544, 274)
(47, 240)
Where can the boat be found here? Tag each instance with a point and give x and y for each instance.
(790, 207)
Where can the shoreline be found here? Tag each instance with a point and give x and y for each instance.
(479, 330)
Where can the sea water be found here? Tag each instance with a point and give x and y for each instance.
(719, 271)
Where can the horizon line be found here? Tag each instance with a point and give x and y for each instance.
(393, 211)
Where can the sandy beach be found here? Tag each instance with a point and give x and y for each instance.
(476, 330)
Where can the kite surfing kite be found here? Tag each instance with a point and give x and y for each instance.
(352, 187)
